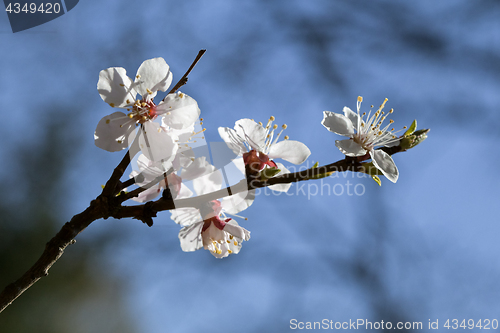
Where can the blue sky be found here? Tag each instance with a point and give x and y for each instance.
(423, 248)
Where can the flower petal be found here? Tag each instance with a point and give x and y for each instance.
(353, 117)
(350, 148)
(186, 216)
(292, 151)
(155, 143)
(148, 194)
(337, 123)
(154, 74)
(233, 140)
(115, 87)
(112, 132)
(179, 110)
(251, 132)
(197, 168)
(208, 183)
(384, 163)
(237, 231)
(190, 237)
(238, 202)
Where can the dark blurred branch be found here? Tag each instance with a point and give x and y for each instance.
(53, 251)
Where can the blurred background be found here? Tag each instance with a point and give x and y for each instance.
(425, 248)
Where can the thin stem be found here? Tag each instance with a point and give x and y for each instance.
(112, 184)
(137, 191)
(184, 79)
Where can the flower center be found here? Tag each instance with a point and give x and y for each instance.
(256, 161)
(369, 132)
(142, 111)
(270, 128)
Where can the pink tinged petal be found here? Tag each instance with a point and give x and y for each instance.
(234, 229)
(292, 151)
(156, 144)
(154, 75)
(353, 116)
(179, 110)
(384, 163)
(253, 133)
(337, 123)
(190, 237)
(350, 148)
(233, 140)
(112, 132)
(281, 187)
(148, 194)
(114, 86)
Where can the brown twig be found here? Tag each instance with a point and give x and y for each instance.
(184, 78)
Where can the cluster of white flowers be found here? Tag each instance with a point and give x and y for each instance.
(166, 162)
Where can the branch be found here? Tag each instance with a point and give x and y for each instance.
(149, 210)
(105, 205)
(108, 204)
(184, 79)
(54, 249)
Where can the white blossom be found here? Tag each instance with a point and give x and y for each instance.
(364, 135)
(208, 226)
(116, 131)
(258, 146)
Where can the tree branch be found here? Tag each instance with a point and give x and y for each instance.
(184, 78)
(54, 249)
(108, 204)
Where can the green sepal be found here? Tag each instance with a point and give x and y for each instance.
(412, 128)
(377, 180)
(268, 173)
(315, 165)
(414, 139)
